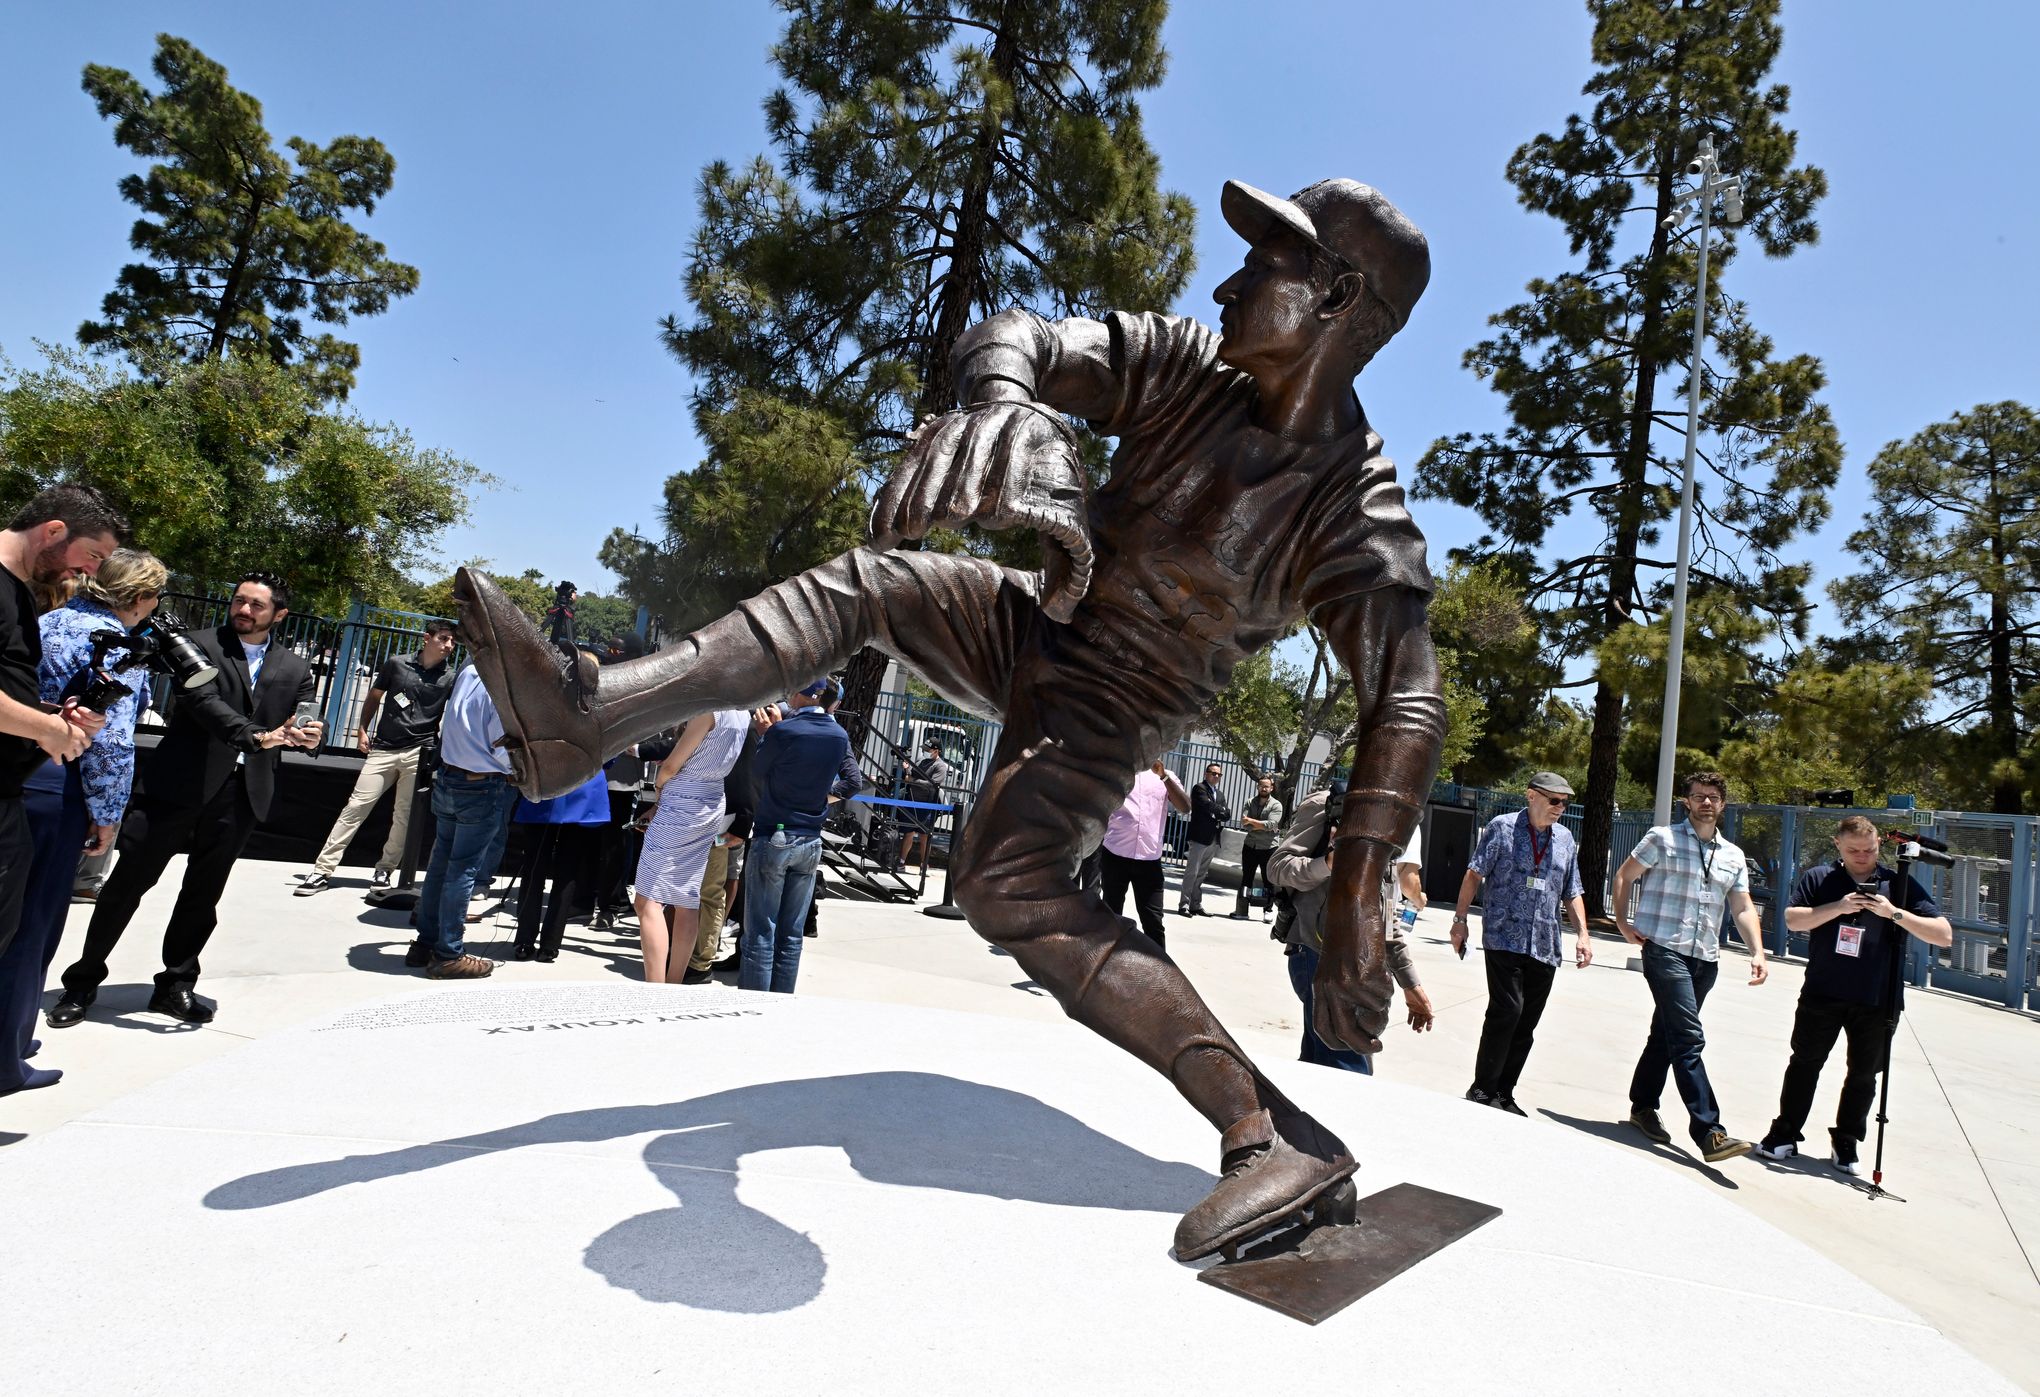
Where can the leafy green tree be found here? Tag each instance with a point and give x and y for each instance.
(930, 167)
(1256, 714)
(226, 465)
(1496, 674)
(1862, 728)
(1950, 583)
(1593, 365)
(240, 243)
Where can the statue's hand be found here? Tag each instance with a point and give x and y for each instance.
(1350, 996)
(1002, 465)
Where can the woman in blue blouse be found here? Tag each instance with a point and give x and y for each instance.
(74, 808)
(561, 849)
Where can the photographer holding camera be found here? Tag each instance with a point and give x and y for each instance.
(204, 789)
(1855, 916)
(74, 807)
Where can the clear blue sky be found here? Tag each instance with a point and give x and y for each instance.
(547, 157)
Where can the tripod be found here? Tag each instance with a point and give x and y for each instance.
(1892, 988)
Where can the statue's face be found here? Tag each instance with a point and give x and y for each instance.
(1269, 320)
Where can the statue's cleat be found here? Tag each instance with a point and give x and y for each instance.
(550, 731)
(1278, 1167)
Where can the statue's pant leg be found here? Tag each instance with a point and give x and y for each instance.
(1053, 786)
(952, 619)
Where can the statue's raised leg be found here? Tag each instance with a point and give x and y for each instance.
(952, 619)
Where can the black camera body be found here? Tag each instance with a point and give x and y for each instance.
(158, 644)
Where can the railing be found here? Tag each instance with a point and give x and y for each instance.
(344, 655)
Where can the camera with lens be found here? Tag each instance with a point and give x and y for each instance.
(159, 644)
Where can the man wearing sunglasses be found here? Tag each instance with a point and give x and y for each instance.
(1531, 865)
(1683, 876)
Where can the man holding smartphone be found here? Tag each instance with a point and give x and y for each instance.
(1855, 916)
(203, 790)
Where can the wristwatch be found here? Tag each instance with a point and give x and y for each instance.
(1897, 915)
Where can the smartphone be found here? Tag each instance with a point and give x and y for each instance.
(307, 712)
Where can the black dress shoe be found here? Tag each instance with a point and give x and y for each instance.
(697, 977)
(547, 957)
(418, 957)
(69, 1009)
(180, 1004)
(522, 952)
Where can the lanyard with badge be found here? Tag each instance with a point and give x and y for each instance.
(1707, 852)
(1535, 881)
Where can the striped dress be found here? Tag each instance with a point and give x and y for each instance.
(690, 816)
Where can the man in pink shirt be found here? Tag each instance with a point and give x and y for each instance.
(1132, 856)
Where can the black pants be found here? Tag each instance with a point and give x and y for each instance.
(17, 853)
(1517, 986)
(616, 864)
(1144, 876)
(215, 833)
(564, 856)
(1815, 1027)
(1253, 864)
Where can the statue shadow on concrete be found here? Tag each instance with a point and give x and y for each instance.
(712, 1252)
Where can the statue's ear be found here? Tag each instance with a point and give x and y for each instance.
(1343, 296)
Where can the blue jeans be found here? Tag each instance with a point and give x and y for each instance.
(473, 822)
(779, 882)
(1678, 985)
(1302, 971)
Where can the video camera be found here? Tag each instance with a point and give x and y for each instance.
(157, 643)
(1920, 848)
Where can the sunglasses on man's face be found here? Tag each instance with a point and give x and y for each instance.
(1550, 799)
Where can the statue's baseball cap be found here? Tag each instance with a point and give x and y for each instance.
(1353, 222)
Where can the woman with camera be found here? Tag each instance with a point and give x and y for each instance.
(74, 808)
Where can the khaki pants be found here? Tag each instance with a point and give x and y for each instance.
(715, 881)
(382, 770)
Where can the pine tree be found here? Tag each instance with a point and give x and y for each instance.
(929, 168)
(240, 243)
(1593, 364)
(1950, 584)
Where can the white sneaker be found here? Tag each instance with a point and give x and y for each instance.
(1846, 1166)
(1784, 1149)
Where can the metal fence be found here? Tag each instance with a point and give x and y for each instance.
(344, 654)
(1991, 895)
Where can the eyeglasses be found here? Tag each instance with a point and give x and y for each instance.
(1560, 801)
(1704, 798)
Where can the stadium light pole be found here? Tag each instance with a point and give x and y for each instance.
(1709, 184)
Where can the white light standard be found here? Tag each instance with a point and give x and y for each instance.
(1711, 182)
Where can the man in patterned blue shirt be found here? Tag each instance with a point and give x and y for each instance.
(1685, 875)
(1531, 864)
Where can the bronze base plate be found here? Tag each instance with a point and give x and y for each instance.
(1313, 1274)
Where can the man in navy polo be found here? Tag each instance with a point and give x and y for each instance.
(803, 763)
(1855, 916)
(1531, 865)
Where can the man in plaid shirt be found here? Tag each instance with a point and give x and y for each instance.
(1684, 875)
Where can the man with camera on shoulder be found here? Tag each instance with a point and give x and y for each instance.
(1855, 915)
(66, 531)
(206, 786)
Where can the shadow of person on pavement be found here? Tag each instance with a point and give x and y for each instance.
(1623, 1133)
(713, 1252)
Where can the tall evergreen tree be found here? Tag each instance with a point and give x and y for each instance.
(930, 167)
(241, 244)
(1593, 365)
(1950, 583)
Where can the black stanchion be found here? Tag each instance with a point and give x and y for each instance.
(947, 908)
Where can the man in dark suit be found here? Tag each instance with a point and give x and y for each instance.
(204, 788)
(1209, 814)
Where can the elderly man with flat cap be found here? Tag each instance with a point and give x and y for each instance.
(1531, 865)
(1246, 493)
